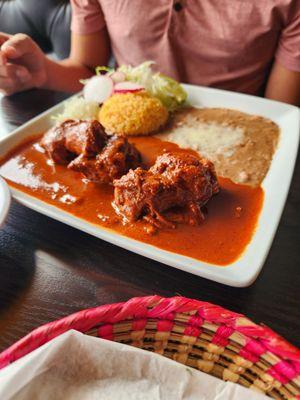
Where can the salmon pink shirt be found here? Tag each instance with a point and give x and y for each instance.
(229, 44)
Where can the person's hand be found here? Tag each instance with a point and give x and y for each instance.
(22, 64)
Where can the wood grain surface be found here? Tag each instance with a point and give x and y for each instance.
(49, 270)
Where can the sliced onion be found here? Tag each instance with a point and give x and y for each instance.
(118, 76)
(124, 87)
(98, 88)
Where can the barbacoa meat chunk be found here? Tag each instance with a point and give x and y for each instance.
(116, 158)
(85, 147)
(176, 180)
(71, 138)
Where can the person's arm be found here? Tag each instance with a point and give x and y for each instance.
(87, 52)
(283, 85)
(23, 65)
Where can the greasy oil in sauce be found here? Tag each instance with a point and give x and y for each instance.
(222, 237)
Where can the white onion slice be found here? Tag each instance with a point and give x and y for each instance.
(118, 76)
(98, 88)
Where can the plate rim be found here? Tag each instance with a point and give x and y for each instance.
(5, 200)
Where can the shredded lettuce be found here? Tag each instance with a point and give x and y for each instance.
(78, 108)
(169, 91)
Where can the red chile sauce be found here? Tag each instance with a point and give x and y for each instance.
(220, 239)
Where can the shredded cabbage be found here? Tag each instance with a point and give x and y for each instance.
(78, 108)
(170, 92)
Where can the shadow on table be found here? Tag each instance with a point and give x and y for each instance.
(15, 276)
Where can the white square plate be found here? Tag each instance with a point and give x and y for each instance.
(4, 200)
(276, 186)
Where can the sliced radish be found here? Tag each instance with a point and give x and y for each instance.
(98, 88)
(118, 76)
(124, 87)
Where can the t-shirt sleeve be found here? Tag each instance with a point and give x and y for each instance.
(87, 17)
(288, 51)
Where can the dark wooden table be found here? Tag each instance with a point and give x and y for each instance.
(49, 270)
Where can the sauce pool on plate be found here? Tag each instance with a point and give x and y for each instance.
(230, 216)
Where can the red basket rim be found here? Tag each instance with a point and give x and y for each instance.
(162, 309)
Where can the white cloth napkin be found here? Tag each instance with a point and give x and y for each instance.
(76, 366)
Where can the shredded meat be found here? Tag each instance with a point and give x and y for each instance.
(85, 147)
(71, 138)
(175, 180)
(116, 158)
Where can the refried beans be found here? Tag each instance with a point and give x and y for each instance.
(240, 145)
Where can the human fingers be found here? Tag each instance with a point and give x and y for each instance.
(14, 71)
(4, 37)
(10, 86)
(18, 45)
(3, 58)
(7, 86)
(14, 79)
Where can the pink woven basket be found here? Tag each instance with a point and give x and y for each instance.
(199, 334)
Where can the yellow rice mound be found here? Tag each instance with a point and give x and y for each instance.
(133, 114)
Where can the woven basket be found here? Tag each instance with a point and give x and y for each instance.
(199, 334)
